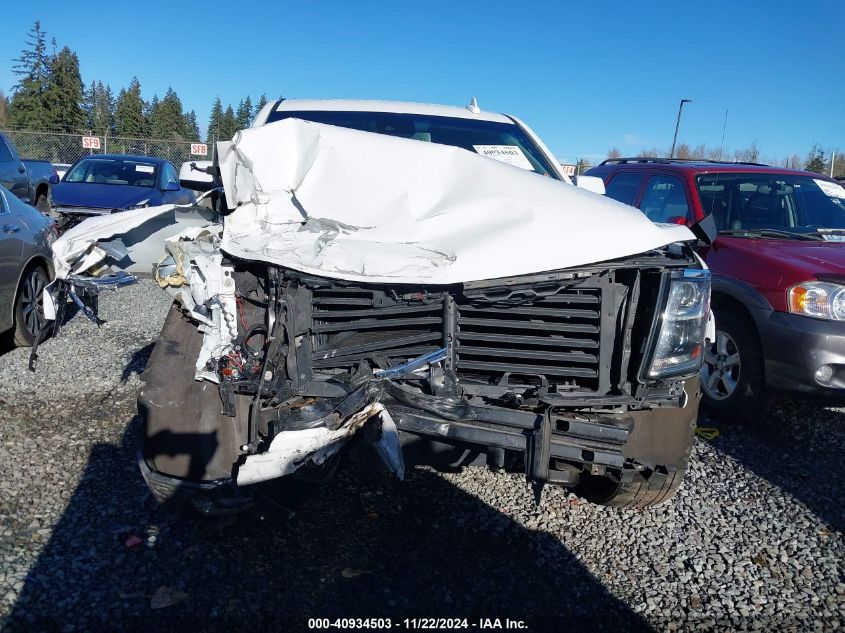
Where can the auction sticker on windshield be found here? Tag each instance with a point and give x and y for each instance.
(510, 154)
(145, 169)
(832, 189)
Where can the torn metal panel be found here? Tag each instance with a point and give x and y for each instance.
(77, 249)
(290, 450)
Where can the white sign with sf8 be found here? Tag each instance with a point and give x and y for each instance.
(199, 149)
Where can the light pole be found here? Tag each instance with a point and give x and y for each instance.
(677, 124)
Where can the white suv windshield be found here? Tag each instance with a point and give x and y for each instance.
(504, 141)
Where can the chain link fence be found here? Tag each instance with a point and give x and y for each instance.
(65, 148)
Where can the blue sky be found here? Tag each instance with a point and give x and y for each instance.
(586, 76)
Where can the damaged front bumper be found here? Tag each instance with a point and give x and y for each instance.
(538, 373)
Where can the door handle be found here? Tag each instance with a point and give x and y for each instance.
(22, 169)
(11, 228)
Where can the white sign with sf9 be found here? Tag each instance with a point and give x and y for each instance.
(91, 142)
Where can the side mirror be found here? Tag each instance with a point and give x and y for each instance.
(590, 183)
(170, 186)
(53, 179)
(198, 175)
(705, 230)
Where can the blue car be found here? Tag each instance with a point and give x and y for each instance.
(104, 183)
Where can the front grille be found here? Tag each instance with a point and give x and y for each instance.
(555, 339)
(350, 324)
(555, 334)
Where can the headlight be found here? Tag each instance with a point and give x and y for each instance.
(139, 205)
(680, 343)
(817, 299)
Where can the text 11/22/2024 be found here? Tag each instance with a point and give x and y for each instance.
(414, 624)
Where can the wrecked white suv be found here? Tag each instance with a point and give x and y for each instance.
(402, 283)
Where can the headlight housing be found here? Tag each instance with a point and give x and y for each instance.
(817, 299)
(679, 345)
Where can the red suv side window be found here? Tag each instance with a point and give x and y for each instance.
(665, 199)
(624, 186)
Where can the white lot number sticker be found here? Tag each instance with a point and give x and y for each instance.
(145, 169)
(510, 154)
(831, 188)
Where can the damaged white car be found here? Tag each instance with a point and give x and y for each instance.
(403, 283)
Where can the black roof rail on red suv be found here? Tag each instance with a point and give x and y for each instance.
(654, 159)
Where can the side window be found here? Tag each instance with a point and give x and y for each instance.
(5, 153)
(624, 186)
(665, 199)
(169, 175)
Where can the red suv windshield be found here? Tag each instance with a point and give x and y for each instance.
(753, 201)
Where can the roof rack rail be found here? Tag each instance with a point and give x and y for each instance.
(655, 159)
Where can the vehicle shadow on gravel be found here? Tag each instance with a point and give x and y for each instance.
(365, 545)
(799, 448)
(137, 363)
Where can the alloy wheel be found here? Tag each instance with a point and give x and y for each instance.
(32, 302)
(721, 370)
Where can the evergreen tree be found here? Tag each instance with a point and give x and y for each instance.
(129, 111)
(149, 113)
(816, 160)
(100, 109)
(262, 101)
(228, 125)
(89, 104)
(244, 113)
(167, 120)
(191, 126)
(105, 106)
(4, 109)
(214, 121)
(63, 95)
(27, 107)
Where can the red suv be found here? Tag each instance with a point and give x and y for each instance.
(778, 266)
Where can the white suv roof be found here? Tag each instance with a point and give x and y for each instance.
(361, 105)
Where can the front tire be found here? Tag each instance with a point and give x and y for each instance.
(29, 306)
(732, 381)
(656, 490)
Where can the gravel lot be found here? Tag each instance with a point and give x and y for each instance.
(753, 541)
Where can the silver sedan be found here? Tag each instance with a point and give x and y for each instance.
(25, 267)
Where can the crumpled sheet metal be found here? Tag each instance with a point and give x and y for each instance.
(291, 449)
(76, 250)
(194, 272)
(366, 207)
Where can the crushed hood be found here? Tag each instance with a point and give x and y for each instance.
(367, 207)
